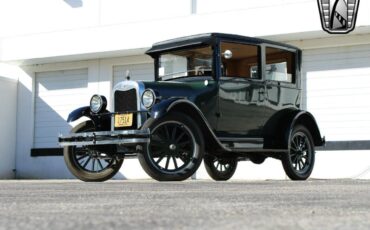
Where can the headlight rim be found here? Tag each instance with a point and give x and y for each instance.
(103, 103)
(154, 98)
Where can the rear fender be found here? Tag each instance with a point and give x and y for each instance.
(307, 119)
(278, 130)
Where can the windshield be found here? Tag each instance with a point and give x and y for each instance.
(185, 63)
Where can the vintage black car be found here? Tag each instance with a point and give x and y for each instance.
(218, 97)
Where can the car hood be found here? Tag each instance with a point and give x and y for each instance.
(191, 90)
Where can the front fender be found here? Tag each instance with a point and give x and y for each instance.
(101, 121)
(160, 109)
(189, 108)
(78, 113)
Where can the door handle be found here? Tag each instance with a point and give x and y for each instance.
(261, 94)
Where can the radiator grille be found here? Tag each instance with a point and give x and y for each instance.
(125, 101)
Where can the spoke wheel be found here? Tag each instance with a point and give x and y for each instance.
(298, 163)
(220, 169)
(92, 161)
(172, 146)
(175, 150)
(87, 164)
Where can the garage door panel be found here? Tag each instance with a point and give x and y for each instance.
(63, 79)
(50, 123)
(338, 59)
(343, 102)
(62, 86)
(348, 59)
(67, 74)
(344, 113)
(61, 109)
(60, 100)
(351, 134)
(68, 83)
(143, 71)
(355, 91)
(48, 110)
(339, 73)
(335, 52)
(335, 64)
(336, 89)
(52, 116)
(51, 132)
(121, 70)
(57, 94)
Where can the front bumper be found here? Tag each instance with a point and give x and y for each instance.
(122, 137)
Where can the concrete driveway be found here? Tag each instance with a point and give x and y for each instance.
(204, 204)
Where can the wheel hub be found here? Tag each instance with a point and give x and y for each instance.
(172, 147)
(301, 152)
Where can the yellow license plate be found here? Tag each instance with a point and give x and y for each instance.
(123, 120)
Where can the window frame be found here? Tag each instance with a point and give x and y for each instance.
(295, 71)
(260, 57)
(157, 57)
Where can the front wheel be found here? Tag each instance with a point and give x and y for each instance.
(220, 169)
(176, 148)
(87, 164)
(299, 162)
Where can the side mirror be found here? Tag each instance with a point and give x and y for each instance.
(227, 54)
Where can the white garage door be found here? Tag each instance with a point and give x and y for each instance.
(137, 72)
(337, 91)
(57, 94)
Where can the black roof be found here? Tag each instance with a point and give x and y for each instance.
(208, 38)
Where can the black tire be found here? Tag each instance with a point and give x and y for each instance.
(299, 162)
(78, 160)
(220, 169)
(175, 139)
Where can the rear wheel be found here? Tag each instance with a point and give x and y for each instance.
(299, 162)
(90, 165)
(220, 169)
(175, 150)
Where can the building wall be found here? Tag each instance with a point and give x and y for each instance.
(8, 116)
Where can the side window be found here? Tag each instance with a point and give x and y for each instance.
(240, 60)
(280, 65)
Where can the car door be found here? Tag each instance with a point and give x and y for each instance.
(241, 91)
(280, 79)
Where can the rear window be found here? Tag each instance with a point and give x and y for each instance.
(280, 65)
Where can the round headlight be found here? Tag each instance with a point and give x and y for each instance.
(148, 98)
(97, 103)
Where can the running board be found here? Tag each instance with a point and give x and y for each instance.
(247, 145)
(249, 150)
(242, 143)
(241, 140)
